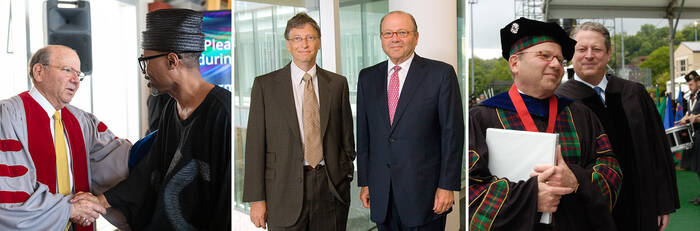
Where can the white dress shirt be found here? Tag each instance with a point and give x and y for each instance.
(402, 73)
(50, 110)
(298, 86)
(603, 84)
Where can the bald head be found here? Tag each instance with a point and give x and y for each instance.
(43, 56)
(402, 14)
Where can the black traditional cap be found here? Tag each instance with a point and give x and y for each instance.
(174, 30)
(523, 33)
(691, 76)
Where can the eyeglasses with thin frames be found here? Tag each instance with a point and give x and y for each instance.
(401, 34)
(547, 57)
(298, 39)
(68, 70)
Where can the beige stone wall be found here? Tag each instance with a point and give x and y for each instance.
(692, 60)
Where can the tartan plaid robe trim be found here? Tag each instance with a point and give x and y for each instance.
(487, 211)
(473, 158)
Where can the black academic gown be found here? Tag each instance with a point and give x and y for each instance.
(639, 141)
(185, 181)
(586, 209)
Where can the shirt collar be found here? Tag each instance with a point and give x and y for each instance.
(603, 83)
(298, 73)
(404, 65)
(43, 102)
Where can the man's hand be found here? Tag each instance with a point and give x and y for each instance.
(662, 222)
(99, 199)
(548, 196)
(443, 201)
(258, 214)
(683, 120)
(692, 119)
(562, 175)
(85, 209)
(364, 196)
(688, 119)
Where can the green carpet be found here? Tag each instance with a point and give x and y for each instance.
(688, 216)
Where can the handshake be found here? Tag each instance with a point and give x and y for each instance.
(86, 208)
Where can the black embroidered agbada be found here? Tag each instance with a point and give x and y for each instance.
(184, 183)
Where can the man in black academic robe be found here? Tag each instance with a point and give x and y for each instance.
(649, 192)
(585, 181)
(184, 183)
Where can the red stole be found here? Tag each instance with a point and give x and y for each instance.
(42, 150)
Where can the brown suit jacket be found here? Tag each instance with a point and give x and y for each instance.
(274, 154)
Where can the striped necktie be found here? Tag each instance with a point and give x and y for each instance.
(600, 93)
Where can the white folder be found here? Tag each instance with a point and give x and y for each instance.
(513, 154)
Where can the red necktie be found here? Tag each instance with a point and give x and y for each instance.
(393, 93)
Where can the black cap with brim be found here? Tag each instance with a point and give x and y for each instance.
(691, 76)
(525, 28)
(173, 30)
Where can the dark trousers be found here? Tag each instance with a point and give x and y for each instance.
(320, 210)
(393, 221)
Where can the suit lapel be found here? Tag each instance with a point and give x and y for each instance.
(286, 95)
(381, 88)
(414, 78)
(323, 97)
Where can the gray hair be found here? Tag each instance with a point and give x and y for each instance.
(42, 57)
(594, 26)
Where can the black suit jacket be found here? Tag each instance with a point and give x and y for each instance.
(422, 150)
(274, 154)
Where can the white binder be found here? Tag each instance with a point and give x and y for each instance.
(513, 154)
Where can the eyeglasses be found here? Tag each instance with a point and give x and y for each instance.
(142, 60)
(401, 34)
(298, 39)
(547, 57)
(68, 70)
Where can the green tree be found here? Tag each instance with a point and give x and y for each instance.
(646, 40)
(487, 71)
(658, 63)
